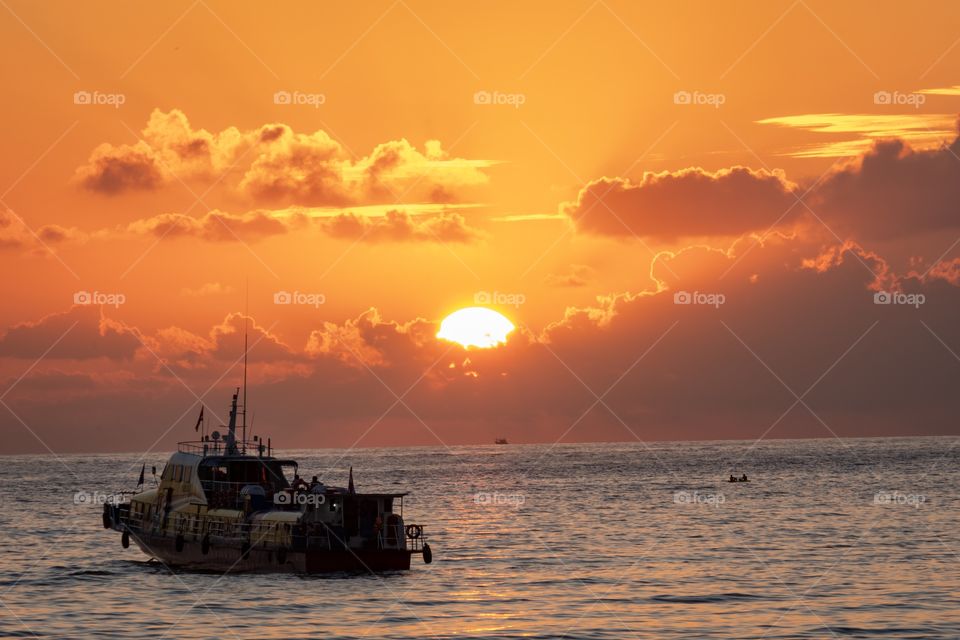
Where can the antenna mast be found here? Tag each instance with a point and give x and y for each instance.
(246, 327)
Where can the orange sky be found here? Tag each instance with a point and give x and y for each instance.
(441, 150)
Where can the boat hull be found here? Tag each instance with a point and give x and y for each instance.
(231, 558)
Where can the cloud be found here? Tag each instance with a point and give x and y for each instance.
(946, 270)
(224, 343)
(168, 150)
(392, 226)
(275, 164)
(399, 226)
(112, 170)
(942, 91)
(216, 226)
(686, 203)
(791, 306)
(370, 341)
(893, 190)
(921, 130)
(83, 332)
(14, 234)
(575, 275)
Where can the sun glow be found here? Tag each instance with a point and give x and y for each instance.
(475, 327)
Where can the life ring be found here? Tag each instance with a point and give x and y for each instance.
(125, 540)
(179, 542)
(414, 531)
(282, 555)
(205, 544)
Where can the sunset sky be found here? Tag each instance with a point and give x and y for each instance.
(705, 220)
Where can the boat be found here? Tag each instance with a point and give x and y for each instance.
(500, 441)
(227, 504)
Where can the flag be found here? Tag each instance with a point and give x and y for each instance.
(350, 487)
(142, 469)
(199, 420)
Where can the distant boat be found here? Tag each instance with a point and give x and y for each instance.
(500, 441)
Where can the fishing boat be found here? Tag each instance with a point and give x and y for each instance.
(500, 441)
(227, 504)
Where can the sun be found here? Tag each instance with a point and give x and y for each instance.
(476, 327)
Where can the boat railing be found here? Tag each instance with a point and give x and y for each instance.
(219, 447)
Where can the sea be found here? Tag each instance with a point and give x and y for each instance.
(853, 538)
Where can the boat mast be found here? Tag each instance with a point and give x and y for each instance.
(231, 448)
(246, 328)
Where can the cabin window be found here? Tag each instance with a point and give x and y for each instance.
(177, 472)
(186, 474)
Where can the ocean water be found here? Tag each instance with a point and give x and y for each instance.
(856, 539)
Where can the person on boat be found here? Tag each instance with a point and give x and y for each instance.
(743, 478)
(298, 484)
(732, 479)
(315, 481)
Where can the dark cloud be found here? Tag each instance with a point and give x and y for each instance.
(893, 191)
(686, 203)
(113, 170)
(83, 332)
